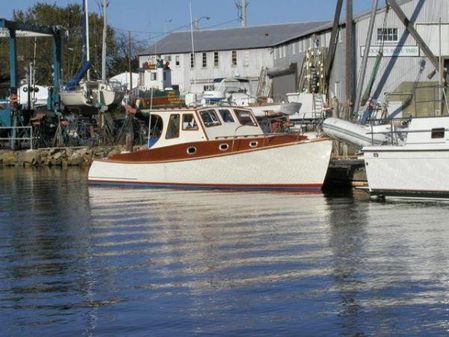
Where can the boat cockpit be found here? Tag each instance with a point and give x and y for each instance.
(170, 127)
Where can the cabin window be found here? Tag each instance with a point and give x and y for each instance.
(210, 118)
(204, 60)
(173, 127)
(245, 117)
(188, 122)
(216, 59)
(208, 87)
(387, 34)
(438, 133)
(226, 115)
(192, 60)
(234, 58)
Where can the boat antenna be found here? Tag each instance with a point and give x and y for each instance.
(193, 45)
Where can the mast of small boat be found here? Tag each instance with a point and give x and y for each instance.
(103, 51)
(86, 32)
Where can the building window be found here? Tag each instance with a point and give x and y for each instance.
(294, 48)
(216, 60)
(246, 59)
(168, 58)
(234, 57)
(173, 127)
(177, 60)
(387, 34)
(192, 60)
(154, 76)
(204, 60)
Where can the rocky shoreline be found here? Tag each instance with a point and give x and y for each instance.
(58, 157)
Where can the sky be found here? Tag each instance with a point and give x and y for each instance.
(150, 19)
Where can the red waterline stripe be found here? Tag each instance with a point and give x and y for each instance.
(224, 186)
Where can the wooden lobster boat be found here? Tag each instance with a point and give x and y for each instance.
(218, 148)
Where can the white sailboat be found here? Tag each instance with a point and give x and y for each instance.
(87, 93)
(415, 165)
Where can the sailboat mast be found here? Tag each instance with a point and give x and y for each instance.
(86, 15)
(103, 52)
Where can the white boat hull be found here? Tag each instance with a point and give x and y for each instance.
(297, 166)
(74, 98)
(407, 171)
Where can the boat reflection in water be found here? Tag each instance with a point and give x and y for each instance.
(79, 260)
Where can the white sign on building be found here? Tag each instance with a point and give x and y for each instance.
(391, 51)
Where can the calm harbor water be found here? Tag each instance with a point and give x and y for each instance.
(88, 261)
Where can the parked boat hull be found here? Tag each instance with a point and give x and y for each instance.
(405, 171)
(297, 166)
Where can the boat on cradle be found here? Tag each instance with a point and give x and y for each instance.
(415, 165)
(217, 148)
(94, 94)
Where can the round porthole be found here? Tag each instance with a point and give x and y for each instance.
(253, 143)
(191, 150)
(223, 147)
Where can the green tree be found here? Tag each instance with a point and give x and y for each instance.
(69, 18)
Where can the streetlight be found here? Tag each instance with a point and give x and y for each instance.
(196, 22)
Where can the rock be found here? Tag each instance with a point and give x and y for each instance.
(8, 158)
(75, 159)
(31, 158)
(57, 155)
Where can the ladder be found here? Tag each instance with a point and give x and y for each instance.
(318, 105)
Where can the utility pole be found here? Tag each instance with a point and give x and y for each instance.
(129, 61)
(349, 57)
(103, 51)
(242, 12)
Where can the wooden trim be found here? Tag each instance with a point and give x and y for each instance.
(207, 149)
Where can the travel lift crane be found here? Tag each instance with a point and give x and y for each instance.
(13, 30)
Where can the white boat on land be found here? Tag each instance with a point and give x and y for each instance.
(95, 94)
(218, 148)
(415, 165)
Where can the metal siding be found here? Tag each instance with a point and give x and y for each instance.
(282, 85)
(395, 70)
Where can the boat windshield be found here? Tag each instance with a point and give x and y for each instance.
(210, 118)
(245, 117)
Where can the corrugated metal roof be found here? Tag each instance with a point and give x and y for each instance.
(232, 38)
